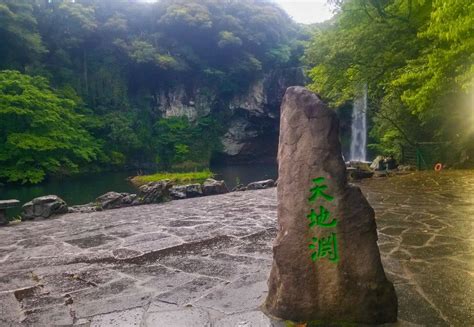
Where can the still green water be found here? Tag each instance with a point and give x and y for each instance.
(78, 189)
(82, 189)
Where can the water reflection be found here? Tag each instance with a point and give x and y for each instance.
(245, 173)
(74, 190)
(85, 188)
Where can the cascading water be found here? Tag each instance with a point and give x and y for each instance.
(359, 127)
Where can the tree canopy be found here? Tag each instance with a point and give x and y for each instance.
(417, 58)
(113, 60)
(40, 130)
(100, 70)
(21, 42)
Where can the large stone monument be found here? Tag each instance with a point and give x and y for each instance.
(326, 262)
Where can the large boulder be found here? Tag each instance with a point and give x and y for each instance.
(326, 262)
(44, 207)
(212, 187)
(177, 193)
(113, 200)
(260, 185)
(378, 163)
(359, 165)
(186, 191)
(154, 192)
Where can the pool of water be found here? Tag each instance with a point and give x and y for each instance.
(78, 189)
(244, 174)
(85, 188)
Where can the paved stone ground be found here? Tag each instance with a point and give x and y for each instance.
(205, 261)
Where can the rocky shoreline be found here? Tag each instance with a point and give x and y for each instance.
(163, 191)
(151, 193)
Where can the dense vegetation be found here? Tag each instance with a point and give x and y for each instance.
(103, 64)
(80, 81)
(416, 58)
(40, 130)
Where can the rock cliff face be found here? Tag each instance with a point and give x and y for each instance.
(179, 102)
(252, 118)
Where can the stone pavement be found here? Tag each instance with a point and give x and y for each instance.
(205, 261)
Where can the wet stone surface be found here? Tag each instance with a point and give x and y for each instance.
(205, 261)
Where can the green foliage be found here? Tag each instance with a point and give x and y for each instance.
(228, 39)
(80, 18)
(447, 64)
(280, 54)
(110, 62)
(20, 41)
(119, 131)
(40, 131)
(235, 38)
(417, 58)
(177, 178)
(365, 44)
(179, 140)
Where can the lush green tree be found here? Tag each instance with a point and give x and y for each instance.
(438, 86)
(446, 64)
(415, 56)
(40, 131)
(366, 43)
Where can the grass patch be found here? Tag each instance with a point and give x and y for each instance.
(177, 178)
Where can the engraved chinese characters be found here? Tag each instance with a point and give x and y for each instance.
(326, 262)
(323, 246)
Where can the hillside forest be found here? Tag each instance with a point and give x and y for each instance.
(81, 82)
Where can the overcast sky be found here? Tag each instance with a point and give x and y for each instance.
(306, 11)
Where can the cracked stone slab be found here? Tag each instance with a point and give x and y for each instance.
(126, 318)
(186, 317)
(244, 294)
(190, 291)
(10, 310)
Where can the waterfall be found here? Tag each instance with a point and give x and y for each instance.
(359, 127)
